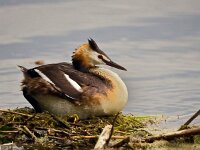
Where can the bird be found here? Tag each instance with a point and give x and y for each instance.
(83, 87)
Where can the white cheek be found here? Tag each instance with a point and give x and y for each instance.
(105, 58)
(95, 60)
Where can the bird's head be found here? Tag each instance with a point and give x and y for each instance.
(89, 55)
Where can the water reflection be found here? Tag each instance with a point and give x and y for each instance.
(158, 43)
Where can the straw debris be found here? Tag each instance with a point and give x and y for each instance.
(25, 128)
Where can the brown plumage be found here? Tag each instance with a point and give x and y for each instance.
(81, 87)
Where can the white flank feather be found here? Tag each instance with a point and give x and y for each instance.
(73, 83)
(43, 76)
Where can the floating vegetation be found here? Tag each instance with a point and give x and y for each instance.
(31, 130)
(39, 62)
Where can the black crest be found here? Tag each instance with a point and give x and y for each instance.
(93, 44)
(95, 47)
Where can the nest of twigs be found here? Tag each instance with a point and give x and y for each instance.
(26, 128)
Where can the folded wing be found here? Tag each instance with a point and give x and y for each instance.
(68, 80)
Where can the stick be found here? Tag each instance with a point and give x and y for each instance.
(6, 146)
(9, 131)
(122, 142)
(56, 138)
(58, 131)
(112, 129)
(53, 129)
(172, 135)
(96, 136)
(192, 118)
(118, 137)
(104, 136)
(62, 122)
(18, 113)
(87, 137)
(30, 133)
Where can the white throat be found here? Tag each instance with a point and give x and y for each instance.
(118, 97)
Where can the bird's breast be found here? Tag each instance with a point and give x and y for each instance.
(116, 95)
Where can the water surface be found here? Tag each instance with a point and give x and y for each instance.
(157, 41)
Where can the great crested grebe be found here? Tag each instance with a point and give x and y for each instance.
(82, 88)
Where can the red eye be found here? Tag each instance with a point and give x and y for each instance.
(100, 56)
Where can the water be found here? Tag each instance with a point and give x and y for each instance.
(157, 41)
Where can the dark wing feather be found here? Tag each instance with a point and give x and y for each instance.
(60, 81)
(55, 72)
(83, 78)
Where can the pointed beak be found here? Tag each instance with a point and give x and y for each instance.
(113, 64)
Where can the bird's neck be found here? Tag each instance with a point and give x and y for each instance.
(110, 76)
(117, 94)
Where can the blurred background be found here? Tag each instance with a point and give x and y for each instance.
(157, 41)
